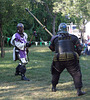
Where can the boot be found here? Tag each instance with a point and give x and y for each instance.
(53, 88)
(24, 78)
(79, 92)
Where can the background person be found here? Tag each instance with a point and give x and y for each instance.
(88, 45)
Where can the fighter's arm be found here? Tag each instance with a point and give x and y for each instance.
(51, 47)
(77, 44)
(19, 45)
(15, 41)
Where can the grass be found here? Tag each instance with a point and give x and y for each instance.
(38, 70)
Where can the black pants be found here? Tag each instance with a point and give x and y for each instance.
(72, 67)
(21, 69)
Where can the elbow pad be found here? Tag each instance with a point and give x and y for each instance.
(51, 48)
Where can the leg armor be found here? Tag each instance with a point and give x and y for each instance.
(17, 70)
(74, 69)
(22, 69)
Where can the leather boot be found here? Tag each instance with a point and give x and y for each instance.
(53, 88)
(24, 78)
(79, 92)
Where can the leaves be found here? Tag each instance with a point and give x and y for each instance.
(47, 11)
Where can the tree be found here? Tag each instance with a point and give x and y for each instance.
(50, 12)
(6, 8)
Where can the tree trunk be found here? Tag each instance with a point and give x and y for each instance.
(53, 25)
(52, 16)
(2, 42)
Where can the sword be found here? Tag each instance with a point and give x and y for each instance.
(44, 27)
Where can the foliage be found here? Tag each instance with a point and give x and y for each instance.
(13, 12)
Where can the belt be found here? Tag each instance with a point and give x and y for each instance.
(65, 56)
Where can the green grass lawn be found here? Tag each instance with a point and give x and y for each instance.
(38, 70)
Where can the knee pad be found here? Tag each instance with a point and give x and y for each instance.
(18, 67)
(22, 69)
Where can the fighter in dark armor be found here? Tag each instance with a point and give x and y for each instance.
(19, 41)
(67, 50)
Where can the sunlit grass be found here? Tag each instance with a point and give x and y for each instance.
(38, 70)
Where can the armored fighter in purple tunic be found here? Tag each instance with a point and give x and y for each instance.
(19, 41)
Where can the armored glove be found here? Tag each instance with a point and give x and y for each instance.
(28, 44)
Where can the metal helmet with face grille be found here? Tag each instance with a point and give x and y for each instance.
(62, 28)
(20, 28)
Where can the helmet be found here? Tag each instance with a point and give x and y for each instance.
(20, 28)
(62, 28)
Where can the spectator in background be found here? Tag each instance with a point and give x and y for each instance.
(85, 49)
(88, 45)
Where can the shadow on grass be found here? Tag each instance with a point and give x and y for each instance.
(38, 91)
(39, 87)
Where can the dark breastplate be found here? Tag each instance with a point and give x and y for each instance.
(64, 45)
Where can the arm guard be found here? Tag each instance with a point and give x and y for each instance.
(51, 47)
(28, 44)
(19, 45)
(78, 47)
